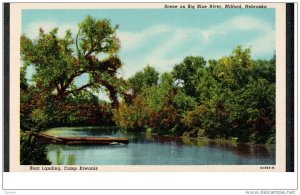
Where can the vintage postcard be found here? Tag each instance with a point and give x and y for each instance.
(147, 87)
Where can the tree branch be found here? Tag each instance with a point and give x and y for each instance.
(80, 88)
(112, 93)
(71, 79)
(78, 50)
(91, 51)
(57, 88)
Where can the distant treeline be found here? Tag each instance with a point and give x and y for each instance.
(230, 98)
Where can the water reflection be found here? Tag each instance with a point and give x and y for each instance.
(146, 149)
(246, 150)
(61, 159)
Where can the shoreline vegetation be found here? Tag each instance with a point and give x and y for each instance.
(148, 132)
(230, 98)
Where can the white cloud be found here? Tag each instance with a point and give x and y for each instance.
(162, 55)
(263, 44)
(238, 23)
(32, 30)
(199, 37)
(133, 41)
(157, 57)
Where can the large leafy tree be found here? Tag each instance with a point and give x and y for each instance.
(146, 78)
(235, 70)
(189, 72)
(58, 61)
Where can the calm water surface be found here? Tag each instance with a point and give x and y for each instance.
(146, 149)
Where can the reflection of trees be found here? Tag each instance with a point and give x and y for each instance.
(245, 150)
(167, 139)
(60, 158)
(170, 147)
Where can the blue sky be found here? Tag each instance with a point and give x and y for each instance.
(163, 37)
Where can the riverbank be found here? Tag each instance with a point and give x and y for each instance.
(153, 149)
(62, 131)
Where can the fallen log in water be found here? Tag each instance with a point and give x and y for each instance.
(48, 139)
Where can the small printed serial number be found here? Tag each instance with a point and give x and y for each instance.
(267, 167)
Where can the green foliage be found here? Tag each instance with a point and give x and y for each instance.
(30, 101)
(23, 81)
(157, 107)
(151, 107)
(80, 108)
(237, 99)
(52, 99)
(32, 153)
(230, 98)
(189, 71)
(132, 117)
(59, 61)
(184, 103)
(265, 69)
(145, 78)
(233, 71)
(255, 104)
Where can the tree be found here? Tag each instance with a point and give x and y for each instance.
(189, 71)
(59, 61)
(265, 69)
(156, 107)
(23, 81)
(252, 108)
(32, 152)
(234, 71)
(146, 78)
(54, 99)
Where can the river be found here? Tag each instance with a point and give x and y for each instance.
(145, 149)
